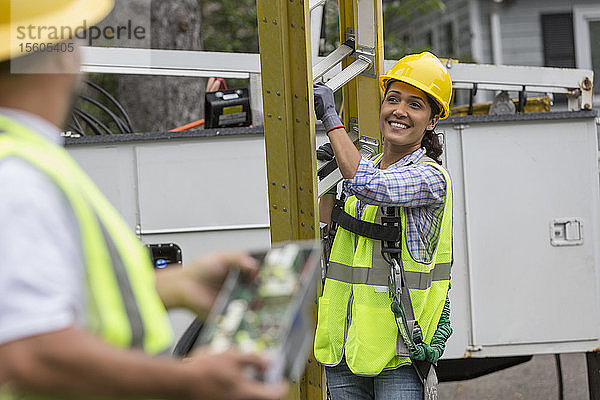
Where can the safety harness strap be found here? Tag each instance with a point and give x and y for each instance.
(398, 289)
(364, 228)
(402, 295)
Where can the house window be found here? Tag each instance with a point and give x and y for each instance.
(558, 40)
(429, 39)
(447, 40)
(406, 40)
(586, 21)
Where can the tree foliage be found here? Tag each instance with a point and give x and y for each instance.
(229, 25)
(407, 8)
(396, 47)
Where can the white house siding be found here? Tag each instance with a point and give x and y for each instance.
(462, 24)
(485, 38)
(420, 26)
(521, 27)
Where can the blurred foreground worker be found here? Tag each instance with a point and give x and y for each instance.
(82, 313)
(394, 237)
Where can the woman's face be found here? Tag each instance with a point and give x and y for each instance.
(405, 115)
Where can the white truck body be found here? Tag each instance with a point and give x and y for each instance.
(526, 273)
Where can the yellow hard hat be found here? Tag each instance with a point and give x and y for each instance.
(423, 71)
(47, 17)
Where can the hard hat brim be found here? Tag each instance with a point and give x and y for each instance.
(72, 16)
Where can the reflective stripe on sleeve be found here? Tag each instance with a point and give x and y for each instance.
(129, 302)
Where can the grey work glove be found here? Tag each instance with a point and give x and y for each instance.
(325, 152)
(325, 107)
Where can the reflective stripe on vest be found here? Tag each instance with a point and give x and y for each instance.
(379, 276)
(354, 315)
(123, 306)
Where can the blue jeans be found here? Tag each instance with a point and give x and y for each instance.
(401, 383)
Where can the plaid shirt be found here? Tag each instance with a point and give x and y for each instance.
(419, 188)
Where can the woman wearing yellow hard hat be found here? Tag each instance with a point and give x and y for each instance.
(384, 312)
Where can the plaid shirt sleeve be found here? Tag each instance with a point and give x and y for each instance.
(413, 185)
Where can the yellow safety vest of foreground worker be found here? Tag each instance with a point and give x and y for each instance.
(123, 307)
(354, 317)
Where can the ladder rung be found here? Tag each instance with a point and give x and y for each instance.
(321, 164)
(348, 73)
(368, 148)
(329, 181)
(331, 60)
(315, 3)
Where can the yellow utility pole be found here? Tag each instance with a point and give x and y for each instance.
(289, 124)
(286, 72)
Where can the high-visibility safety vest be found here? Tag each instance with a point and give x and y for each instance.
(354, 315)
(123, 307)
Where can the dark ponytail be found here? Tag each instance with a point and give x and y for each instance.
(431, 140)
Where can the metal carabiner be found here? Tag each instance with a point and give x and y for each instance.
(396, 277)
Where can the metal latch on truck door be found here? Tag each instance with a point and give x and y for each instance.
(566, 232)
